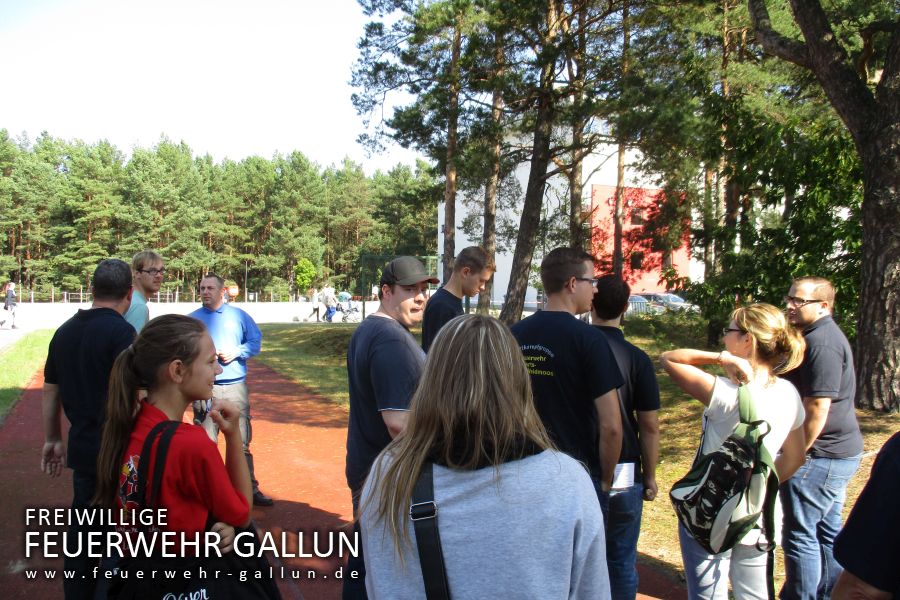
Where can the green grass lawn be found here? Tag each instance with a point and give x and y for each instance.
(18, 364)
(315, 356)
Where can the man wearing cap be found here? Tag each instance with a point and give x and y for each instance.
(384, 363)
(148, 273)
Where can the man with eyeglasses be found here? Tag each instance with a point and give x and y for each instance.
(813, 498)
(574, 376)
(147, 272)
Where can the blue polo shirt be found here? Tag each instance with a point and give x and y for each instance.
(230, 327)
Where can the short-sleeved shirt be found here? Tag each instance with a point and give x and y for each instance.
(137, 314)
(827, 372)
(384, 364)
(869, 543)
(640, 392)
(79, 361)
(571, 365)
(778, 404)
(441, 308)
(230, 327)
(195, 482)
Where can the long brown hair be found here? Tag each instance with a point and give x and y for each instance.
(162, 340)
(473, 407)
(777, 344)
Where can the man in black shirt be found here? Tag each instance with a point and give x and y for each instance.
(813, 498)
(76, 379)
(472, 269)
(574, 376)
(635, 478)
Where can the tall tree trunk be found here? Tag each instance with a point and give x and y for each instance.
(618, 256)
(450, 185)
(709, 222)
(537, 179)
(579, 123)
(873, 119)
(489, 233)
(619, 202)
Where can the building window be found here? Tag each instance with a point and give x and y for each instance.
(637, 216)
(637, 261)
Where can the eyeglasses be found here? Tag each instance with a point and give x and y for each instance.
(798, 302)
(153, 272)
(728, 330)
(591, 280)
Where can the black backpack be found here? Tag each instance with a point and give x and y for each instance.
(726, 491)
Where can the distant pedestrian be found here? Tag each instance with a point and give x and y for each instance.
(329, 299)
(9, 305)
(237, 339)
(76, 380)
(472, 269)
(148, 272)
(635, 478)
(315, 297)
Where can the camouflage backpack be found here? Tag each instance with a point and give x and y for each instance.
(723, 495)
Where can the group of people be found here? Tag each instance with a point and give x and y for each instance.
(495, 459)
(485, 461)
(115, 374)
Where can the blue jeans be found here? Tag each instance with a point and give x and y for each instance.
(622, 529)
(603, 498)
(707, 575)
(812, 501)
(238, 394)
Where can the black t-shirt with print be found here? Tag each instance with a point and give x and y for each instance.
(571, 364)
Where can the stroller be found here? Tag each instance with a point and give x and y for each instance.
(350, 313)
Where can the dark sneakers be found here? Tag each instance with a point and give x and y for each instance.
(260, 499)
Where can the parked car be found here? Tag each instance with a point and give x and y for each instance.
(638, 305)
(671, 301)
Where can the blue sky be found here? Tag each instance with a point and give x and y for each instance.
(231, 78)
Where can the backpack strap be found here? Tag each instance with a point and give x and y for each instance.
(423, 513)
(164, 431)
(746, 407)
(747, 410)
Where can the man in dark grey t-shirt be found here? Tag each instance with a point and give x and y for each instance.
(384, 363)
(813, 498)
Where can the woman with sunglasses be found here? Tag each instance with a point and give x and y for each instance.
(759, 345)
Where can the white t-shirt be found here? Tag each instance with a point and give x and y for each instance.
(779, 404)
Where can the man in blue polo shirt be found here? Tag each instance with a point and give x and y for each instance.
(813, 498)
(237, 338)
